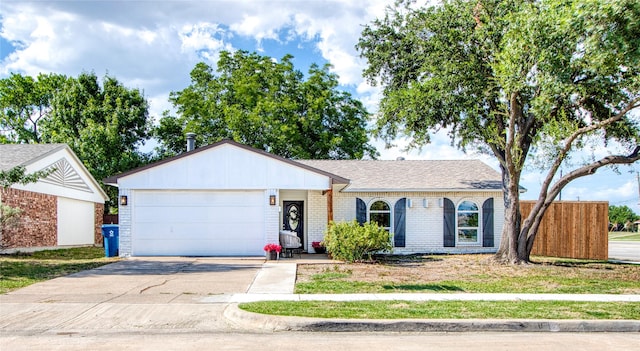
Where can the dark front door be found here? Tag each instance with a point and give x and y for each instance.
(293, 218)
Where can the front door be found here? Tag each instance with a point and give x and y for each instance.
(293, 218)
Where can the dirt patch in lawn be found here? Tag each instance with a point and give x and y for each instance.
(479, 273)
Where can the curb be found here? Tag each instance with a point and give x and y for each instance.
(250, 320)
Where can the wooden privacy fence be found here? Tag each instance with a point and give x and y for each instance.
(110, 219)
(572, 229)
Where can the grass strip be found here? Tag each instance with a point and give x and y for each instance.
(23, 269)
(624, 236)
(449, 309)
(530, 285)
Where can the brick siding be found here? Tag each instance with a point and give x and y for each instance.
(99, 215)
(38, 223)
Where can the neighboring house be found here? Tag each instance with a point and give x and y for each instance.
(63, 209)
(230, 199)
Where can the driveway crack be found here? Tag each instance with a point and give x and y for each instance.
(153, 286)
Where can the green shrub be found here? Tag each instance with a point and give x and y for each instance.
(350, 241)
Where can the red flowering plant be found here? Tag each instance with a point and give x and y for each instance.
(318, 247)
(273, 247)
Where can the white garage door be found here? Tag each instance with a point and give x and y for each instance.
(198, 223)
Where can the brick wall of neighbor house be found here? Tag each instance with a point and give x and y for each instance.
(99, 215)
(38, 223)
(424, 226)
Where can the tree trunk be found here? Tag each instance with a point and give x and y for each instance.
(508, 251)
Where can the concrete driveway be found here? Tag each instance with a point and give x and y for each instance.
(135, 294)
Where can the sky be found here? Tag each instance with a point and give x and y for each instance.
(153, 45)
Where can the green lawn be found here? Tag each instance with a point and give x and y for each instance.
(448, 309)
(23, 269)
(460, 273)
(624, 236)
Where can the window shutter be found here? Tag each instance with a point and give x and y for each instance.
(449, 223)
(487, 223)
(400, 210)
(361, 211)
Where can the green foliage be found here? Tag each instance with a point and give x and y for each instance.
(621, 214)
(24, 103)
(17, 175)
(350, 241)
(268, 105)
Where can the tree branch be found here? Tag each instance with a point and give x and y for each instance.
(591, 169)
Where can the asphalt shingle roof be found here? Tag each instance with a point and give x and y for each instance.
(411, 175)
(12, 155)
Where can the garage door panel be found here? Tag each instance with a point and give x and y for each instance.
(190, 198)
(182, 231)
(199, 248)
(198, 214)
(198, 223)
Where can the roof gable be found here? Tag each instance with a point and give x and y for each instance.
(226, 165)
(69, 178)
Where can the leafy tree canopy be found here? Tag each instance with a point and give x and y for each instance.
(268, 105)
(622, 214)
(514, 78)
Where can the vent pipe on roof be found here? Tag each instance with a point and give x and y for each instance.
(400, 158)
(191, 141)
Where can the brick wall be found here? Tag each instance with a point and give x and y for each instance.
(98, 216)
(38, 224)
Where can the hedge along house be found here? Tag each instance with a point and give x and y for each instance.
(63, 209)
(228, 199)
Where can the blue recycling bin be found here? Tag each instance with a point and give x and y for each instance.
(110, 235)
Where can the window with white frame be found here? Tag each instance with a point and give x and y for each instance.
(468, 223)
(380, 213)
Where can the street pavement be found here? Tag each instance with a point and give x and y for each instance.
(626, 251)
(177, 303)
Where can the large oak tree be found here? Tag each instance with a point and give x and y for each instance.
(269, 105)
(516, 79)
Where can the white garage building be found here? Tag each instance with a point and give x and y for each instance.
(213, 201)
(228, 199)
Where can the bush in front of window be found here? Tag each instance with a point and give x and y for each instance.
(350, 241)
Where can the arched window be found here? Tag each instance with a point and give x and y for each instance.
(380, 213)
(468, 223)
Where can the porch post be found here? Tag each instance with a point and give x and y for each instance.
(329, 205)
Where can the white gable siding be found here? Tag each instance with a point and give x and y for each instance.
(92, 192)
(225, 167)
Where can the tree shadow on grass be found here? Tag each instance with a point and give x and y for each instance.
(423, 287)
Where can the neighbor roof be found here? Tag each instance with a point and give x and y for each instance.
(13, 155)
(412, 175)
